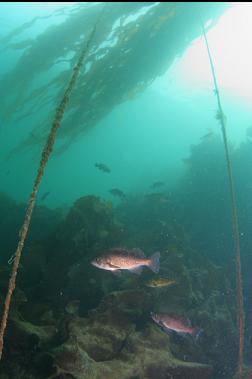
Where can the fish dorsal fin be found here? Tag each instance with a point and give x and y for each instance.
(119, 250)
(137, 252)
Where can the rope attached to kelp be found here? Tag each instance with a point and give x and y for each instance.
(43, 162)
(222, 119)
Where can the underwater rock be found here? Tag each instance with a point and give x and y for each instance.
(93, 325)
(25, 335)
(12, 214)
(101, 337)
(23, 343)
(89, 226)
(133, 304)
(87, 353)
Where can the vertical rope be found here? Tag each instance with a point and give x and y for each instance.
(221, 117)
(43, 162)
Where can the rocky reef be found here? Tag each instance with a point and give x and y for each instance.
(72, 320)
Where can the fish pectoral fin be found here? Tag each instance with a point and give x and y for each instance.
(117, 273)
(137, 270)
(113, 266)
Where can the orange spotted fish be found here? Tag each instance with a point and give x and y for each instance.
(134, 260)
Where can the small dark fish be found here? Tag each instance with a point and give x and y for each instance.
(117, 193)
(44, 196)
(122, 259)
(207, 136)
(157, 185)
(102, 167)
(178, 325)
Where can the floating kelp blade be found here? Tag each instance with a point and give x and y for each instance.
(135, 44)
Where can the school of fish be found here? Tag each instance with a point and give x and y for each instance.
(134, 260)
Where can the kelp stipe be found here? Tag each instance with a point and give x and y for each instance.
(222, 119)
(48, 148)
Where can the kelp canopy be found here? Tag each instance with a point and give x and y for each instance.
(133, 44)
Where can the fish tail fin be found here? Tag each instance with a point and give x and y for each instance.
(197, 333)
(154, 262)
(153, 314)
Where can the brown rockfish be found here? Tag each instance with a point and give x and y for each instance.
(178, 325)
(123, 259)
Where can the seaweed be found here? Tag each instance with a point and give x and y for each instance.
(136, 43)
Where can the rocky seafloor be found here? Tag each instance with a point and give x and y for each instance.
(71, 320)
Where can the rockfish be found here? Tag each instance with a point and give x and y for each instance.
(176, 324)
(160, 282)
(122, 259)
(117, 192)
(102, 167)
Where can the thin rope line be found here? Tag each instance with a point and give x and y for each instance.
(240, 303)
(48, 148)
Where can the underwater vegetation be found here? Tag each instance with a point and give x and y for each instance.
(69, 318)
(130, 43)
(200, 182)
(60, 109)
